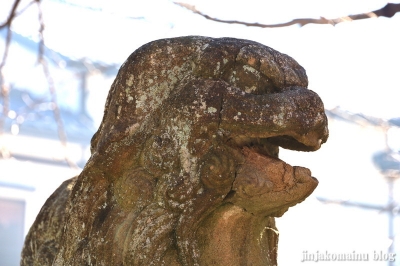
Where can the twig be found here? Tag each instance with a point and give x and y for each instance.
(11, 16)
(14, 13)
(388, 10)
(5, 92)
(25, 8)
(4, 88)
(53, 93)
(356, 118)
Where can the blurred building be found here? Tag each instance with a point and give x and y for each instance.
(43, 142)
(352, 210)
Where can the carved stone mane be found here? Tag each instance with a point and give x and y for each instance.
(184, 167)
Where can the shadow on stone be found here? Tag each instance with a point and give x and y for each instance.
(184, 167)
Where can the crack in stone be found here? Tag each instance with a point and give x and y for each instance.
(199, 198)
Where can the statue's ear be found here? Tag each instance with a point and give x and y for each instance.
(134, 190)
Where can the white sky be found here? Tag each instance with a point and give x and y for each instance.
(353, 65)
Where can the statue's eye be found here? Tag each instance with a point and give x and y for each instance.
(158, 140)
(162, 140)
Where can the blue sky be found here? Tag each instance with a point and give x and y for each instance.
(353, 65)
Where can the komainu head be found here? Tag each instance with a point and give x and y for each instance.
(184, 167)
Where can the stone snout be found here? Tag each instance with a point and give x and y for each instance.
(292, 119)
(268, 186)
(241, 230)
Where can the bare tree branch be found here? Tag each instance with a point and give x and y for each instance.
(12, 14)
(52, 89)
(25, 8)
(4, 89)
(356, 118)
(388, 10)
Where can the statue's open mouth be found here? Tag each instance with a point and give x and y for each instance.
(264, 184)
(184, 167)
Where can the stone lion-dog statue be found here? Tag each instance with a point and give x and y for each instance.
(184, 167)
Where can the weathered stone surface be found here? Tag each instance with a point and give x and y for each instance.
(184, 167)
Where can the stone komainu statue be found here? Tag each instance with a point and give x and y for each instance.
(184, 167)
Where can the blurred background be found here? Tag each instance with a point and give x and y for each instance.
(59, 58)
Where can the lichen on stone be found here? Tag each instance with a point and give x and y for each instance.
(184, 167)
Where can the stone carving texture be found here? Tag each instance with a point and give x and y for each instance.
(184, 167)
